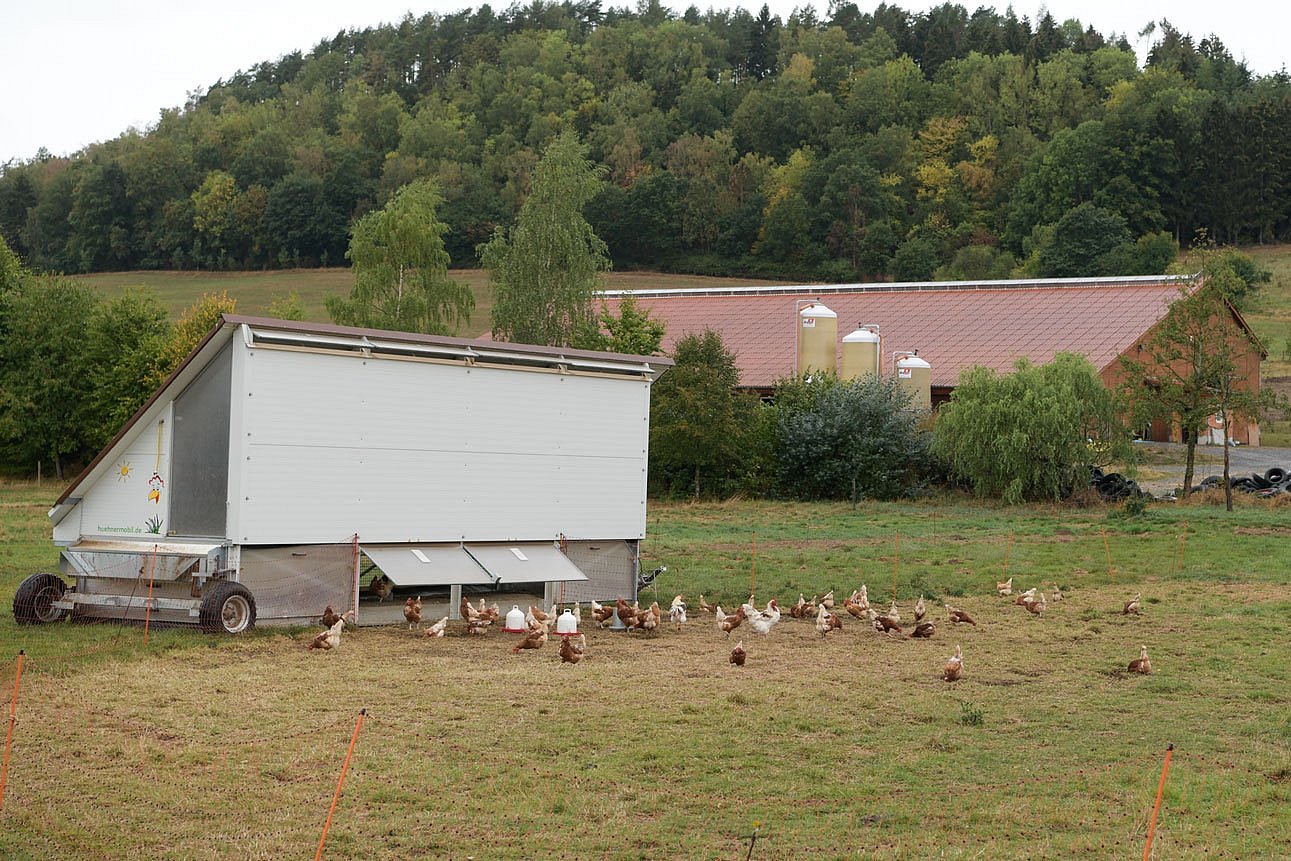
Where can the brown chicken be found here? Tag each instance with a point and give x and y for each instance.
(924, 630)
(535, 639)
(919, 609)
(382, 587)
(798, 611)
(601, 614)
(331, 617)
(1004, 587)
(954, 666)
(1037, 606)
(828, 601)
(627, 612)
(1141, 664)
(412, 611)
(738, 654)
(959, 616)
(1132, 606)
(329, 639)
(884, 624)
(704, 606)
(826, 622)
(726, 623)
(648, 620)
(572, 649)
(1028, 595)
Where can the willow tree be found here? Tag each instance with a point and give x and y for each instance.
(401, 269)
(544, 270)
(1031, 434)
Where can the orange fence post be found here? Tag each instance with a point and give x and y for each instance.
(1152, 826)
(147, 608)
(339, 783)
(754, 569)
(13, 712)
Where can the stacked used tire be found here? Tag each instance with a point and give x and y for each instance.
(1271, 483)
(1112, 486)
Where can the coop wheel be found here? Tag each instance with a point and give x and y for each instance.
(227, 608)
(33, 603)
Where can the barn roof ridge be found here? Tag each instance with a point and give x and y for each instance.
(904, 287)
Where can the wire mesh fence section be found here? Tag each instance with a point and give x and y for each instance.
(295, 584)
(610, 567)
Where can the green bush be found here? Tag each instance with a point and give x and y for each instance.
(847, 440)
(1026, 435)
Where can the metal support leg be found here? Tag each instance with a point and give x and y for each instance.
(454, 602)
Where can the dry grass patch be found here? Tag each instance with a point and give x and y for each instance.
(655, 746)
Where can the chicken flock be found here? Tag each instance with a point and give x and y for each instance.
(824, 612)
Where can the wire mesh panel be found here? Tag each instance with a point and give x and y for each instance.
(295, 583)
(610, 566)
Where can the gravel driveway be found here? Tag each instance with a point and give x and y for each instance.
(1242, 461)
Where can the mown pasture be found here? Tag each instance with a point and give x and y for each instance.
(656, 747)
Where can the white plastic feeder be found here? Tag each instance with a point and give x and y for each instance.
(515, 621)
(567, 624)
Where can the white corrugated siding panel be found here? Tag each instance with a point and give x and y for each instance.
(416, 451)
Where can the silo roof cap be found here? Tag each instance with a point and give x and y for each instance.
(816, 310)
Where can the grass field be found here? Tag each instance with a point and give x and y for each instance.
(656, 747)
(1270, 317)
(256, 291)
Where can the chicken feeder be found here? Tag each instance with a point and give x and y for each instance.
(567, 624)
(515, 621)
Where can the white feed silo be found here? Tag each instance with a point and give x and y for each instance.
(861, 352)
(915, 375)
(817, 338)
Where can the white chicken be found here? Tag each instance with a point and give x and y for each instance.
(763, 622)
(329, 639)
(437, 629)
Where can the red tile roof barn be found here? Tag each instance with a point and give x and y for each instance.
(953, 325)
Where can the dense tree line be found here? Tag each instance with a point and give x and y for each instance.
(855, 145)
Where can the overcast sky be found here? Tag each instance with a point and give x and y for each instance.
(80, 71)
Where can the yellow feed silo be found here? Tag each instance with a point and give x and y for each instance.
(861, 353)
(817, 338)
(915, 375)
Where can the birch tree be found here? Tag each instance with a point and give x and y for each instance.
(544, 270)
(401, 269)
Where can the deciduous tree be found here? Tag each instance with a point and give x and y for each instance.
(544, 269)
(401, 269)
(698, 421)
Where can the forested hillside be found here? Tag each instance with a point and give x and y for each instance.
(858, 145)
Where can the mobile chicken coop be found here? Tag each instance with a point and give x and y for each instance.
(282, 459)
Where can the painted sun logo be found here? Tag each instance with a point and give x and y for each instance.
(124, 468)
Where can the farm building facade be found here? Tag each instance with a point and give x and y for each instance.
(281, 455)
(952, 326)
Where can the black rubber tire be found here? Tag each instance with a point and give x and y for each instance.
(227, 608)
(1276, 475)
(32, 600)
